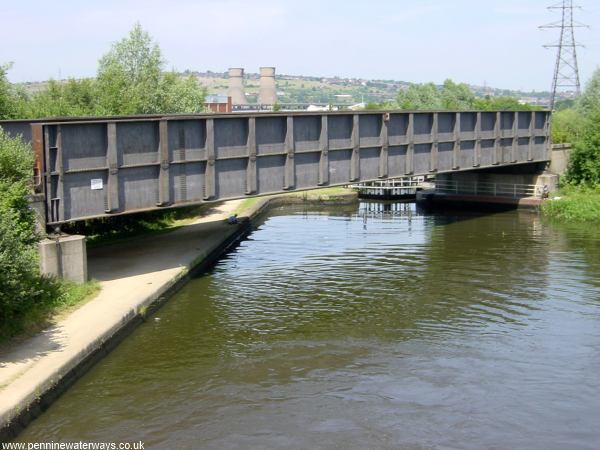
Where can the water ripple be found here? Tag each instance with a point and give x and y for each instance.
(363, 329)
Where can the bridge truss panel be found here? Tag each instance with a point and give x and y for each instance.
(101, 167)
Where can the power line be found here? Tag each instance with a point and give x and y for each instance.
(566, 70)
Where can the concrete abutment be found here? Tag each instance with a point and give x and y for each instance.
(64, 257)
(519, 186)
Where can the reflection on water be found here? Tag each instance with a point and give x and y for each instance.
(369, 328)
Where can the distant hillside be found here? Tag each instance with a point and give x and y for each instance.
(335, 90)
(311, 89)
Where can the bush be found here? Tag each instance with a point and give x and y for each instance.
(26, 297)
(20, 283)
(584, 164)
(18, 279)
(73, 98)
(580, 193)
(16, 162)
(567, 126)
(12, 99)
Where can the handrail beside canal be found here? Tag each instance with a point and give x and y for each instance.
(514, 190)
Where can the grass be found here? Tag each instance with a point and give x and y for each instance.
(313, 195)
(67, 296)
(246, 205)
(74, 296)
(121, 229)
(574, 204)
(330, 191)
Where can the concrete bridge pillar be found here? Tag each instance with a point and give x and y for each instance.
(37, 202)
(550, 180)
(64, 257)
(559, 158)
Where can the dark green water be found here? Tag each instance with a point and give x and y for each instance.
(355, 329)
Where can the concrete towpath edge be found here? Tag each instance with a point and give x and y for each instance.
(25, 403)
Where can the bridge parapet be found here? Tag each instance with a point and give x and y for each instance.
(104, 166)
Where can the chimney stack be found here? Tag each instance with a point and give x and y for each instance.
(267, 94)
(236, 86)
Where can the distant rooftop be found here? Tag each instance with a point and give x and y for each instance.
(219, 98)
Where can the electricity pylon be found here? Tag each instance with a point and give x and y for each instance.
(566, 70)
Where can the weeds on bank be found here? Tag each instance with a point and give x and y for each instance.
(313, 195)
(108, 230)
(56, 299)
(574, 204)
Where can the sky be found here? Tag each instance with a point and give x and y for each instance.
(496, 43)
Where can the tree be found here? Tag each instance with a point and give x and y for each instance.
(131, 80)
(20, 283)
(16, 162)
(129, 75)
(567, 126)
(73, 98)
(450, 95)
(584, 162)
(419, 96)
(453, 96)
(19, 278)
(502, 103)
(590, 98)
(12, 99)
(580, 125)
(181, 95)
(5, 94)
(456, 96)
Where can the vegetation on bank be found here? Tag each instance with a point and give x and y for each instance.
(574, 204)
(314, 195)
(579, 124)
(26, 296)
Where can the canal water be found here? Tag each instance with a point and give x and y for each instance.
(363, 328)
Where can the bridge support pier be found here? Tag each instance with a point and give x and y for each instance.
(64, 257)
(518, 186)
(483, 179)
(37, 203)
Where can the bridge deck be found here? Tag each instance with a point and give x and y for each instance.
(101, 166)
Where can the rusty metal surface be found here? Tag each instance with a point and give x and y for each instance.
(37, 145)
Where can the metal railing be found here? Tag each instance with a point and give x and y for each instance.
(392, 183)
(390, 187)
(514, 190)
